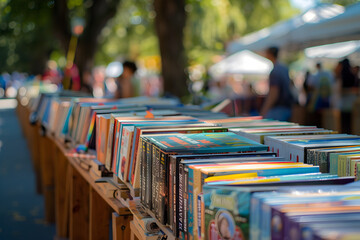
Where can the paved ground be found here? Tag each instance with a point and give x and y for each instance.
(21, 209)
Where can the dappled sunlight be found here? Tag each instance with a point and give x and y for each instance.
(7, 104)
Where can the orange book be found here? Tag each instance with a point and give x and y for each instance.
(102, 131)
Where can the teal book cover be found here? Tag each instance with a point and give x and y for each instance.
(65, 128)
(206, 143)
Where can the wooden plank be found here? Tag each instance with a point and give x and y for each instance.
(46, 148)
(135, 235)
(79, 206)
(99, 217)
(112, 202)
(121, 226)
(62, 193)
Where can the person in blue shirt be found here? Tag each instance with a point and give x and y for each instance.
(278, 103)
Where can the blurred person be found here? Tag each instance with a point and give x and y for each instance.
(279, 100)
(51, 73)
(220, 89)
(72, 78)
(308, 89)
(126, 83)
(98, 84)
(322, 83)
(346, 74)
(87, 85)
(356, 71)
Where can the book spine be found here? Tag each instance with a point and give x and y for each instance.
(323, 163)
(154, 178)
(167, 191)
(175, 196)
(200, 214)
(97, 138)
(171, 195)
(307, 158)
(191, 203)
(142, 171)
(118, 154)
(109, 148)
(197, 189)
(148, 182)
(162, 189)
(133, 156)
(186, 200)
(115, 149)
(157, 182)
(180, 200)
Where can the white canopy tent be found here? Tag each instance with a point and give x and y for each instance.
(334, 50)
(244, 62)
(323, 24)
(343, 27)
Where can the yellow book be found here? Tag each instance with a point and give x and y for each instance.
(231, 177)
(341, 165)
(250, 167)
(265, 180)
(353, 161)
(346, 163)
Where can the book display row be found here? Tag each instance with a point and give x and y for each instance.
(204, 175)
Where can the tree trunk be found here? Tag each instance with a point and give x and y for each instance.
(169, 22)
(96, 17)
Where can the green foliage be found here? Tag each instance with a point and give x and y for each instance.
(130, 34)
(214, 23)
(25, 35)
(27, 38)
(211, 24)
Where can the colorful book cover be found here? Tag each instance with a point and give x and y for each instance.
(227, 212)
(206, 143)
(124, 152)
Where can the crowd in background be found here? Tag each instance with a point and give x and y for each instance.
(326, 88)
(321, 89)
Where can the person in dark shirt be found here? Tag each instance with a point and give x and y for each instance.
(278, 103)
(347, 76)
(125, 85)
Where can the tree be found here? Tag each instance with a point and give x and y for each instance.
(25, 42)
(31, 30)
(96, 14)
(169, 23)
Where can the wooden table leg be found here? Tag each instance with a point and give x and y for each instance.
(134, 232)
(47, 176)
(79, 206)
(121, 226)
(99, 217)
(62, 194)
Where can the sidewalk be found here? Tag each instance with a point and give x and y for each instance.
(21, 209)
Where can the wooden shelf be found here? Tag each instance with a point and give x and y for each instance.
(113, 203)
(133, 192)
(76, 197)
(166, 230)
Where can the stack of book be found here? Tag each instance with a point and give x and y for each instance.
(196, 172)
(327, 212)
(257, 209)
